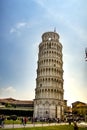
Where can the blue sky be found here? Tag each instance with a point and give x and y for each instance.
(22, 23)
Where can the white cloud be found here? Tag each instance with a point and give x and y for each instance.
(17, 28)
(22, 93)
(12, 30)
(21, 24)
(9, 91)
(26, 95)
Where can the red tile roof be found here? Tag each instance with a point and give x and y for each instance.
(14, 101)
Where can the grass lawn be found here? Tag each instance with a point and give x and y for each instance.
(11, 122)
(61, 127)
(18, 122)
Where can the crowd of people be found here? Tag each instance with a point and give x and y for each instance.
(24, 121)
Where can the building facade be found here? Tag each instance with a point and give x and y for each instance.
(49, 102)
(79, 108)
(10, 106)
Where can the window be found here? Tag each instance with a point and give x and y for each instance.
(40, 85)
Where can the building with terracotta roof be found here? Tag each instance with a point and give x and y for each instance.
(79, 109)
(10, 106)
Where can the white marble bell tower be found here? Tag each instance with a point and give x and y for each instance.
(48, 102)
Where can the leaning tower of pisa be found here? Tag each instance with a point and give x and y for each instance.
(48, 102)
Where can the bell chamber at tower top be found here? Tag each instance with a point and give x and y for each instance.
(50, 36)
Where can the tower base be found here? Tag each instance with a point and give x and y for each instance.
(44, 109)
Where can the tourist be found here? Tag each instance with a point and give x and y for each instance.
(2, 121)
(25, 121)
(75, 125)
(22, 121)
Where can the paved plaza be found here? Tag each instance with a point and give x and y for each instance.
(83, 124)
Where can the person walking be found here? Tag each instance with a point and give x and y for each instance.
(75, 125)
(25, 121)
(22, 121)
